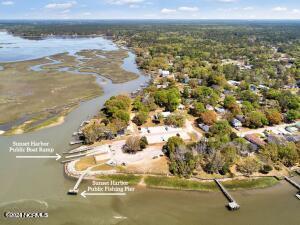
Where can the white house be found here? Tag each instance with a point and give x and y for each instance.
(164, 73)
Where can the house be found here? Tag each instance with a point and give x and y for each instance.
(291, 129)
(236, 123)
(166, 114)
(255, 139)
(263, 87)
(209, 107)
(164, 73)
(292, 138)
(277, 139)
(241, 118)
(220, 110)
(181, 107)
(253, 88)
(161, 86)
(204, 127)
(233, 82)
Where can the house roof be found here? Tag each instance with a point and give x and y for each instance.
(255, 139)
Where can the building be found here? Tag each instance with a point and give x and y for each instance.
(181, 107)
(165, 114)
(255, 139)
(204, 127)
(292, 138)
(291, 129)
(209, 107)
(220, 110)
(236, 123)
(164, 73)
(233, 82)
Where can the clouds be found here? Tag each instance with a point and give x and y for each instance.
(183, 9)
(188, 9)
(151, 9)
(124, 2)
(168, 11)
(7, 3)
(61, 6)
(279, 9)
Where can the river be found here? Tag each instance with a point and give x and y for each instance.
(40, 185)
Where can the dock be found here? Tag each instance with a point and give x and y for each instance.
(294, 183)
(78, 150)
(84, 123)
(232, 205)
(75, 189)
(76, 142)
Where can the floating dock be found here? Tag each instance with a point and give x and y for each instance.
(232, 205)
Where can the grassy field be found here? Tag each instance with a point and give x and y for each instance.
(131, 179)
(183, 184)
(179, 184)
(263, 182)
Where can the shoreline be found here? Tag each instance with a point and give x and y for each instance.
(205, 185)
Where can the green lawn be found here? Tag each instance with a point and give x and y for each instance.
(263, 182)
(180, 184)
(131, 179)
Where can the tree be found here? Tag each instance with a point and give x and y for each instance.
(249, 96)
(186, 92)
(208, 117)
(182, 161)
(247, 107)
(288, 154)
(169, 99)
(215, 163)
(143, 142)
(256, 119)
(231, 104)
(270, 152)
(173, 142)
(230, 154)
(248, 166)
(292, 115)
(197, 109)
(273, 116)
(221, 128)
(140, 118)
(132, 145)
(176, 120)
(206, 95)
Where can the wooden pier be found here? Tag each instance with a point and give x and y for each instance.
(75, 189)
(295, 184)
(232, 205)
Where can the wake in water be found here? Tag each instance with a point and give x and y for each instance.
(22, 201)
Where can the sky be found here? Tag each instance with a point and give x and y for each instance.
(150, 9)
